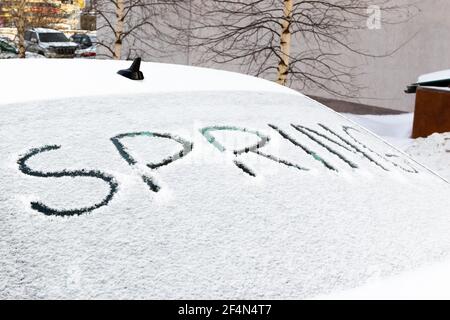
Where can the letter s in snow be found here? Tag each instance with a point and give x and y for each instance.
(41, 207)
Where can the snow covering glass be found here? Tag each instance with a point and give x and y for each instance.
(131, 193)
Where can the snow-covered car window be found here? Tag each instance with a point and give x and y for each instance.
(237, 194)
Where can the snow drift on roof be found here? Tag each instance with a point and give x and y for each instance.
(435, 76)
(31, 80)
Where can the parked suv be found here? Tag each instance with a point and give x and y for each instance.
(83, 40)
(49, 43)
(87, 45)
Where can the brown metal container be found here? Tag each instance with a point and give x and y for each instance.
(432, 112)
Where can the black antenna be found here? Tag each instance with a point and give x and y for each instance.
(133, 72)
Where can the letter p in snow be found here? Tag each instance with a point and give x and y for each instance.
(126, 155)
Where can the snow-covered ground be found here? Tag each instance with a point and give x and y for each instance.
(28, 55)
(433, 151)
(197, 183)
(395, 129)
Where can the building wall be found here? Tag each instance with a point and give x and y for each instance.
(56, 12)
(425, 47)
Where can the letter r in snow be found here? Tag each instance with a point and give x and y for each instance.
(254, 148)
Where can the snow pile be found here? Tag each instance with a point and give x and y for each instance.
(7, 55)
(430, 282)
(433, 152)
(198, 184)
(28, 55)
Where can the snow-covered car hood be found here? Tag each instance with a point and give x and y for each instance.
(196, 183)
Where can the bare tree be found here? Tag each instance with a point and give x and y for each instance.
(292, 41)
(19, 17)
(139, 23)
(2, 13)
(26, 14)
(285, 42)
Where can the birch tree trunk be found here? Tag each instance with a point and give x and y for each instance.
(19, 21)
(285, 43)
(118, 32)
